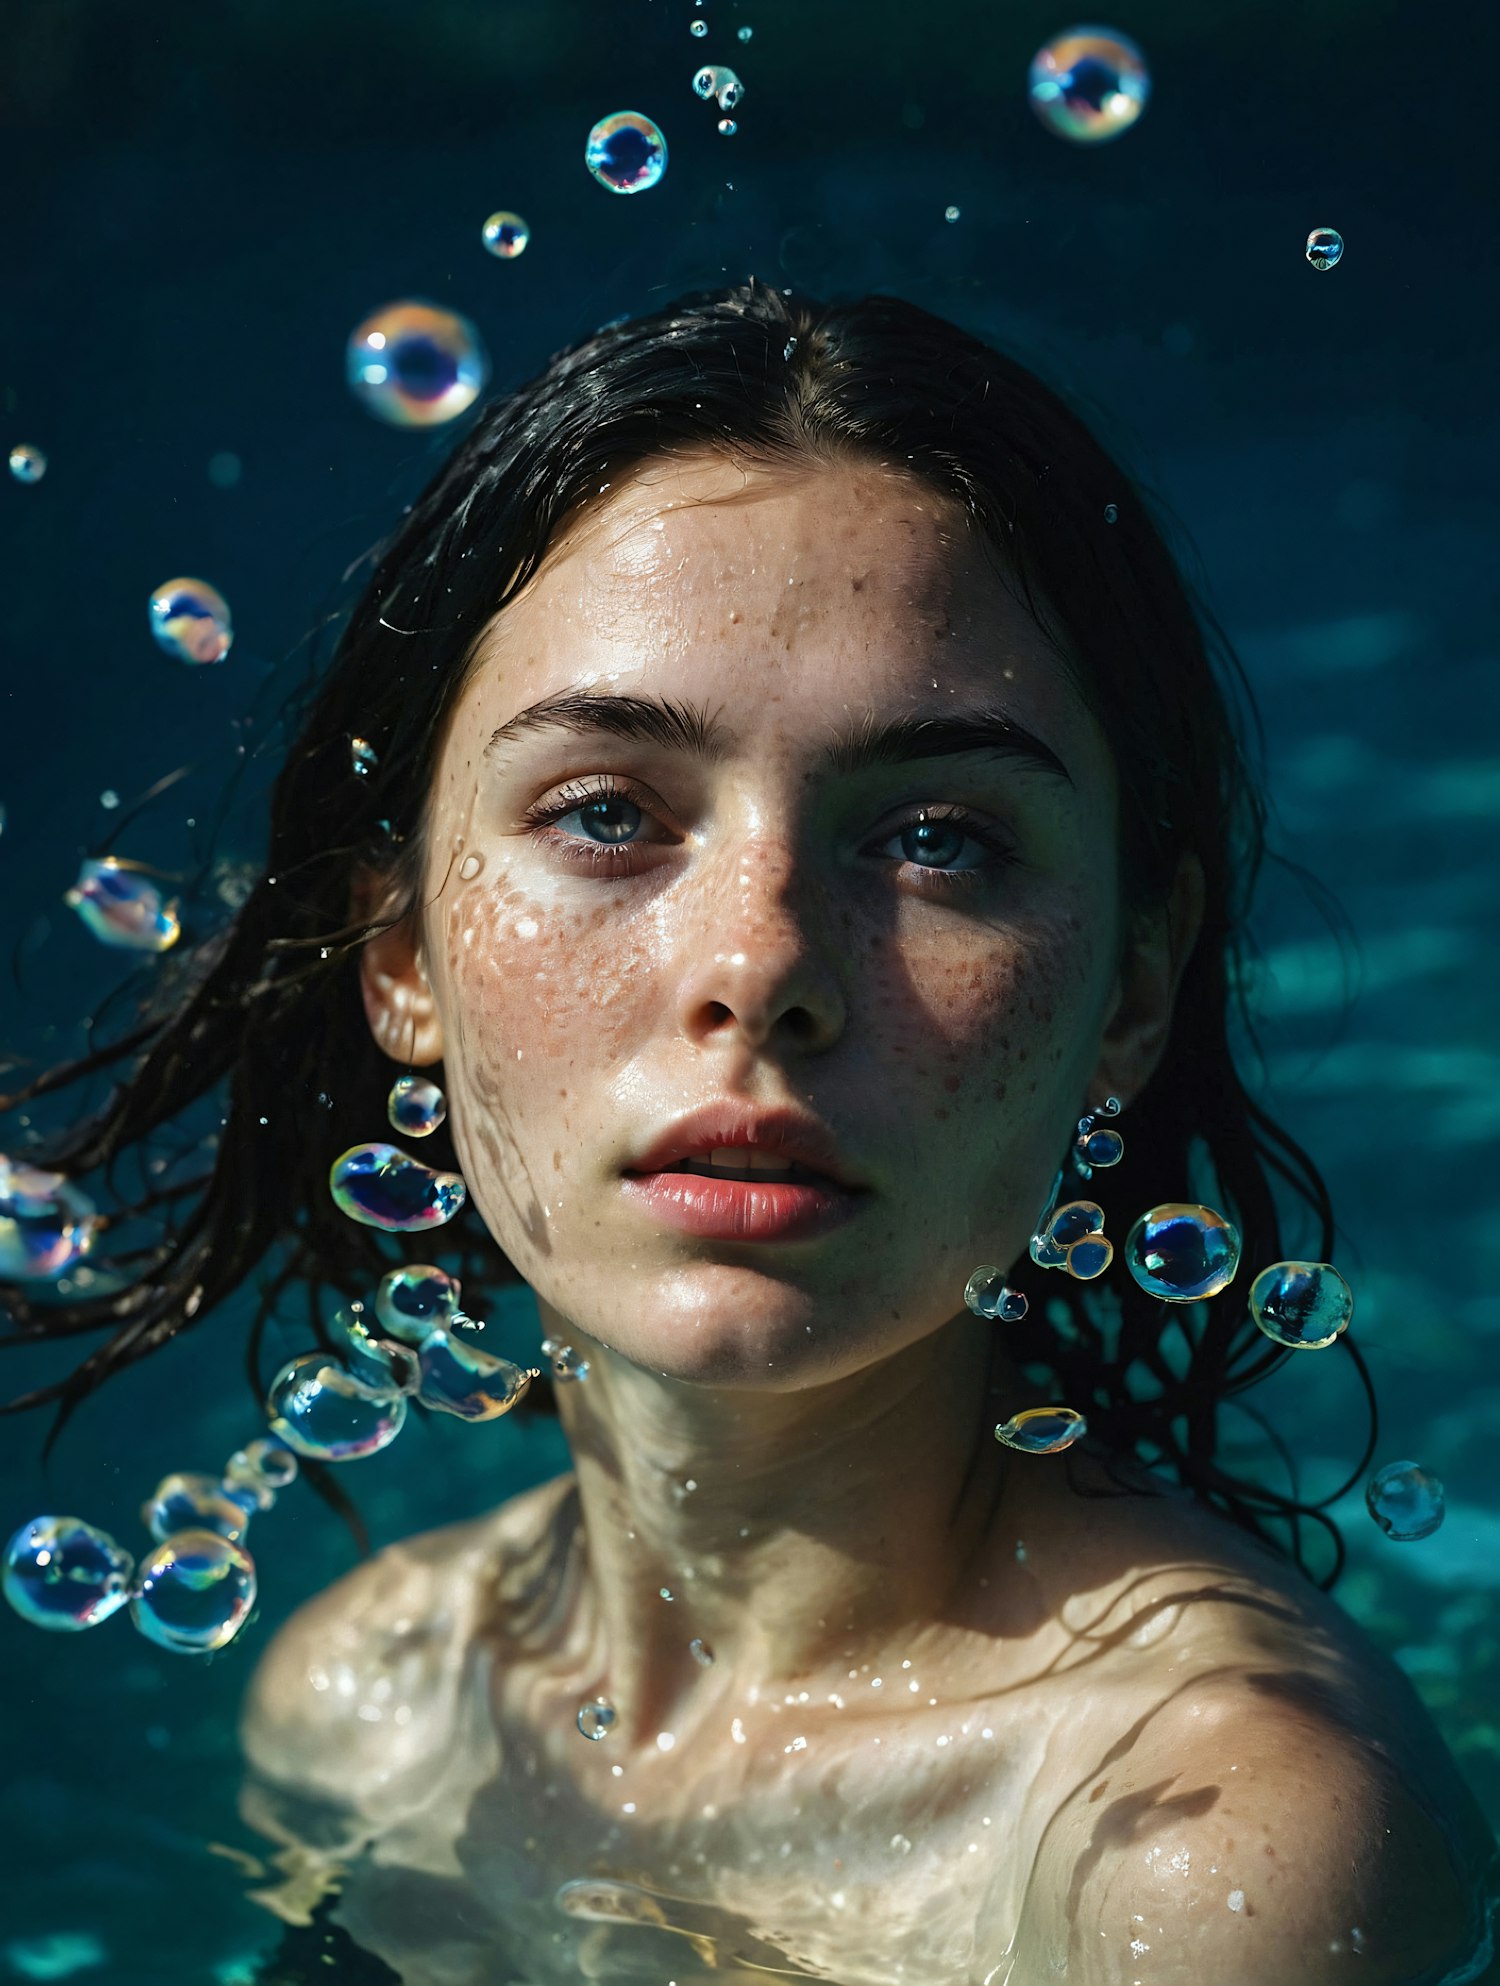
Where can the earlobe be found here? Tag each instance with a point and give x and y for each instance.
(399, 1002)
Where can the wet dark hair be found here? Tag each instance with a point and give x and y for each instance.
(268, 1005)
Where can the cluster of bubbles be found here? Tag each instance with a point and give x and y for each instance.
(122, 907)
(1089, 85)
(505, 235)
(713, 82)
(378, 1185)
(192, 1593)
(46, 1224)
(414, 364)
(416, 1106)
(27, 463)
(190, 620)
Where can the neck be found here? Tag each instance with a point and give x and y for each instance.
(793, 1531)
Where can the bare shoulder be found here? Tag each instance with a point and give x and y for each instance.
(1252, 1791)
(360, 1673)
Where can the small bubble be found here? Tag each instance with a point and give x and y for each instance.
(728, 126)
(27, 463)
(109, 798)
(1405, 1500)
(1111, 516)
(596, 1718)
(666, 1593)
(744, 34)
(505, 235)
(190, 620)
(950, 213)
(1042, 1430)
(701, 1652)
(1325, 247)
(699, 28)
(1236, 1899)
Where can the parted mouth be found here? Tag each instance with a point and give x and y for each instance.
(750, 1168)
(735, 1140)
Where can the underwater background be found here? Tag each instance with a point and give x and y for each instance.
(202, 205)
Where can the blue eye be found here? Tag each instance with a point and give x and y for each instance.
(600, 808)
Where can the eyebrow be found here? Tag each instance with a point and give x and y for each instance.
(862, 745)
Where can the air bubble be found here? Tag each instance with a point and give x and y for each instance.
(1042, 1430)
(380, 1186)
(596, 1718)
(505, 235)
(122, 907)
(1303, 1305)
(191, 621)
(415, 365)
(46, 1224)
(187, 1501)
(64, 1574)
(415, 1301)
(1405, 1501)
(1325, 247)
(194, 1592)
(27, 463)
(626, 152)
(323, 1412)
(1182, 1253)
(416, 1106)
(1089, 85)
(987, 1295)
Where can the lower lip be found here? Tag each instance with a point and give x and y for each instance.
(741, 1209)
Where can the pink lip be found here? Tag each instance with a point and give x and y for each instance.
(741, 1209)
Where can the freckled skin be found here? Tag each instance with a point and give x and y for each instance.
(793, 1439)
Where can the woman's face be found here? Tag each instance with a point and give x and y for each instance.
(765, 929)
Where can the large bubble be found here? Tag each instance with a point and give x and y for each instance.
(626, 152)
(323, 1412)
(62, 1573)
(415, 365)
(1405, 1500)
(46, 1224)
(459, 1379)
(1089, 84)
(1182, 1253)
(416, 1300)
(380, 1186)
(123, 907)
(1303, 1305)
(194, 1592)
(190, 620)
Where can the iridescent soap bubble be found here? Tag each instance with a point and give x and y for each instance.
(363, 757)
(384, 1365)
(1405, 1500)
(987, 1295)
(1325, 247)
(255, 1474)
(505, 234)
(194, 1592)
(1089, 84)
(416, 1300)
(46, 1224)
(1304, 1305)
(61, 1573)
(1073, 1222)
(626, 152)
(122, 907)
(415, 1106)
(190, 620)
(1182, 1253)
(380, 1186)
(714, 80)
(188, 1501)
(323, 1412)
(1042, 1430)
(1090, 1257)
(27, 463)
(458, 1378)
(596, 1718)
(415, 365)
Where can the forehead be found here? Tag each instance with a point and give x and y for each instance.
(706, 574)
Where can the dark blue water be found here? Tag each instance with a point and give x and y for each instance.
(201, 205)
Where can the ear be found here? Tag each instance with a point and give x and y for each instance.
(399, 1003)
(1156, 955)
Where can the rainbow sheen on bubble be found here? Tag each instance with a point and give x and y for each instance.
(1182, 1253)
(321, 1411)
(382, 1187)
(1073, 1222)
(416, 1300)
(194, 1592)
(987, 1295)
(505, 234)
(1090, 1257)
(1042, 1430)
(1303, 1305)
(46, 1224)
(626, 152)
(415, 1106)
(460, 1379)
(722, 85)
(1325, 248)
(383, 1364)
(27, 462)
(415, 365)
(1405, 1500)
(63, 1574)
(188, 1501)
(1102, 1148)
(1089, 84)
(191, 621)
(122, 907)
(255, 1474)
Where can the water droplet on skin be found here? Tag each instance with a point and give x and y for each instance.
(1088, 85)
(1405, 1500)
(627, 152)
(414, 365)
(470, 867)
(191, 621)
(596, 1718)
(701, 1652)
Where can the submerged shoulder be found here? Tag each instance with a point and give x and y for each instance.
(360, 1674)
(1246, 1841)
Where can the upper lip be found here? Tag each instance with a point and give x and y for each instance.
(797, 1137)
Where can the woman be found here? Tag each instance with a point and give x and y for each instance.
(791, 736)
